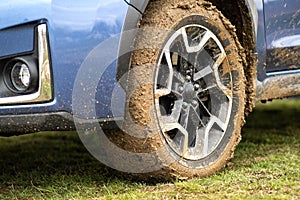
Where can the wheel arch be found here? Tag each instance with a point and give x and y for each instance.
(244, 18)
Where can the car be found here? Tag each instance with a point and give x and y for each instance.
(155, 88)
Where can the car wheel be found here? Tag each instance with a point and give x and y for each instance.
(186, 89)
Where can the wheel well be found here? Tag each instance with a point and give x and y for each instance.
(239, 15)
(237, 12)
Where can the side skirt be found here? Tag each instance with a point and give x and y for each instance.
(278, 86)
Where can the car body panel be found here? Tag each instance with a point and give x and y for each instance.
(75, 29)
(282, 27)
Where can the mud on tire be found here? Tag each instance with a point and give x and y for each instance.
(186, 90)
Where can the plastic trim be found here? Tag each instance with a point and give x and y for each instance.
(44, 92)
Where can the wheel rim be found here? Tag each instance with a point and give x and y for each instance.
(193, 92)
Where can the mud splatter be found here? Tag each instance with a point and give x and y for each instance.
(279, 87)
(283, 58)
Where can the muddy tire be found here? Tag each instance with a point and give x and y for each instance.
(186, 90)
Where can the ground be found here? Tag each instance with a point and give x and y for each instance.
(55, 165)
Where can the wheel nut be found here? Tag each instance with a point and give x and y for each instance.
(194, 103)
(185, 65)
(188, 78)
(184, 105)
(196, 86)
(188, 71)
(180, 89)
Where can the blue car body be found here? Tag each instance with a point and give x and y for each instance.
(76, 28)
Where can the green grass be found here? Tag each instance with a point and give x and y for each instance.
(55, 165)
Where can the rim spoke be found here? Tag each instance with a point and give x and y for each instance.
(161, 92)
(177, 110)
(223, 88)
(174, 125)
(219, 61)
(213, 120)
(170, 66)
(202, 73)
(184, 119)
(204, 40)
(219, 122)
(199, 140)
(185, 38)
(190, 49)
(217, 64)
(175, 114)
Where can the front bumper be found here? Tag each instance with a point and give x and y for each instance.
(29, 123)
(58, 121)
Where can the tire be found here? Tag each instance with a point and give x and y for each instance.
(186, 90)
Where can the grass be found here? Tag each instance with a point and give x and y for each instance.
(55, 165)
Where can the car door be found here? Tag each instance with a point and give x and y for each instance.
(282, 28)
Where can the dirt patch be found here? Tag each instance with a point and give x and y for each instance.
(128, 142)
(141, 117)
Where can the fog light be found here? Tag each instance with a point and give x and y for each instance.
(20, 76)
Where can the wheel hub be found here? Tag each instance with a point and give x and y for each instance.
(189, 93)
